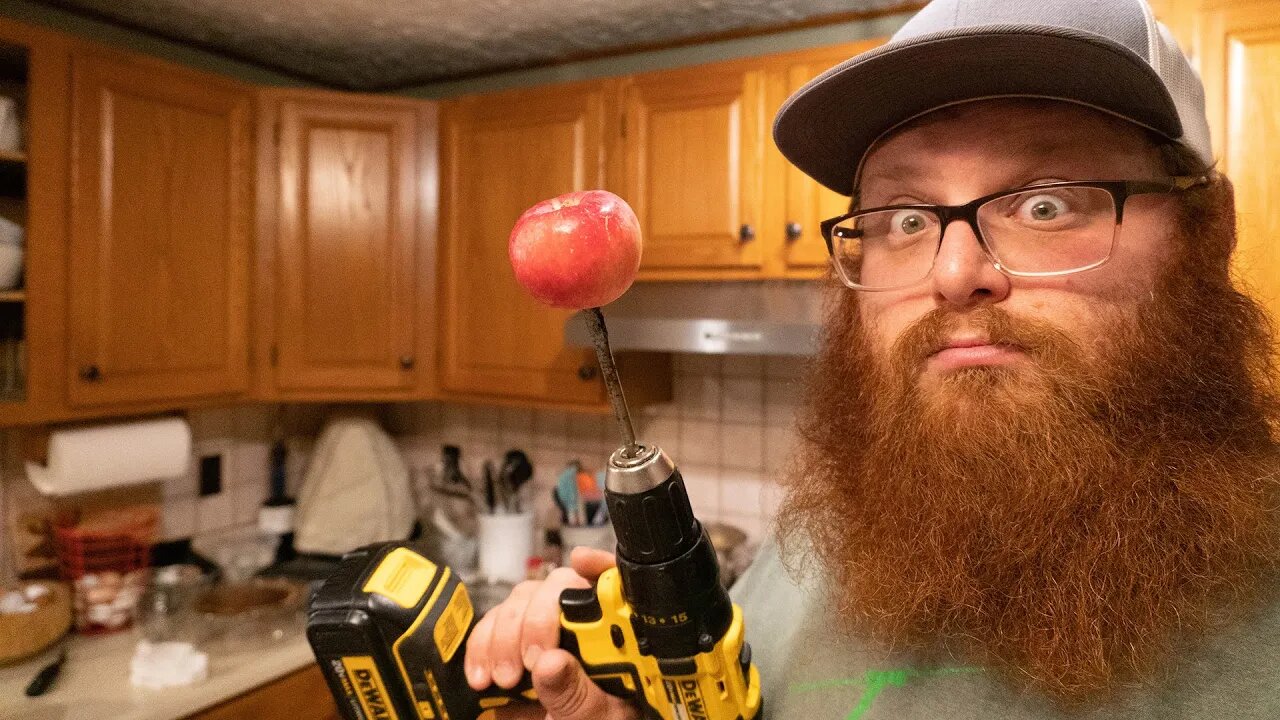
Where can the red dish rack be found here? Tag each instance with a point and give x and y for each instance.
(108, 569)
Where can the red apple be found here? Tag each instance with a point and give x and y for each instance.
(579, 250)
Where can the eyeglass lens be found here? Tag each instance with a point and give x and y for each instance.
(1038, 232)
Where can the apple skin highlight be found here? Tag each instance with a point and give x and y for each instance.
(579, 250)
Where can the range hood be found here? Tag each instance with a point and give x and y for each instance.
(773, 317)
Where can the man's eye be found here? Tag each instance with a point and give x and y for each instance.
(908, 222)
(1042, 208)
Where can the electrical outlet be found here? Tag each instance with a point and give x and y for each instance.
(210, 475)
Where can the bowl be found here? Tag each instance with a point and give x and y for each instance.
(10, 266)
(245, 614)
(25, 633)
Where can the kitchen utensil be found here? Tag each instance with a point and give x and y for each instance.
(567, 495)
(516, 471)
(495, 496)
(48, 674)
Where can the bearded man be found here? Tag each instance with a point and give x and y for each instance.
(1037, 476)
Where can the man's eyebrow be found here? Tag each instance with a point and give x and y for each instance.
(893, 170)
(1035, 155)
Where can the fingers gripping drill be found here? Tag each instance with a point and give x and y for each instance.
(659, 629)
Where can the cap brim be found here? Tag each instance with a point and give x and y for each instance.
(828, 125)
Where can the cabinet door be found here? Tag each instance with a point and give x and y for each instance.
(805, 203)
(503, 153)
(694, 144)
(346, 255)
(304, 695)
(159, 233)
(1240, 62)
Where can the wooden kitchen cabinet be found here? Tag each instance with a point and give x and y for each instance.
(35, 69)
(693, 145)
(501, 154)
(304, 695)
(1239, 53)
(346, 246)
(795, 203)
(159, 232)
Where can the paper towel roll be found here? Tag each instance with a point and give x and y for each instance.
(109, 456)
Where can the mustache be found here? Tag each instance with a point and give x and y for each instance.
(934, 331)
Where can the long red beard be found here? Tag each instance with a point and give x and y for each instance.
(1070, 523)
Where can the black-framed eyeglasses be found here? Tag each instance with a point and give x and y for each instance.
(1040, 230)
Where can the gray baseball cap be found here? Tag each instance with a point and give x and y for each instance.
(1111, 55)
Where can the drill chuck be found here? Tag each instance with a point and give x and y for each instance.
(670, 574)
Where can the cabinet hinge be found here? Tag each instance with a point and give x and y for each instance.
(623, 127)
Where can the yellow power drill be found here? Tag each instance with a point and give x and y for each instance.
(389, 627)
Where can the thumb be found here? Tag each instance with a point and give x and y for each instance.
(590, 563)
(568, 694)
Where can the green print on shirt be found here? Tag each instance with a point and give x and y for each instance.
(874, 681)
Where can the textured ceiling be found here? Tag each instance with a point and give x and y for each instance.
(387, 44)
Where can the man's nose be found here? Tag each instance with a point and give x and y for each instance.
(963, 275)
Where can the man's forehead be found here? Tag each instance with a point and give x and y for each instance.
(1008, 136)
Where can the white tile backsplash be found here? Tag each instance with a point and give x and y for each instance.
(178, 520)
(251, 463)
(216, 512)
(700, 442)
(740, 492)
(743, 400)
(699, 396)
(727, 428)
(742, 447)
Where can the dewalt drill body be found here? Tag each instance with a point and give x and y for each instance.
(389, 628)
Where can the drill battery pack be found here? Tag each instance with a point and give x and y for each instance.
(388, 629)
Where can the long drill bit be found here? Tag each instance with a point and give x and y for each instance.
(612, 385)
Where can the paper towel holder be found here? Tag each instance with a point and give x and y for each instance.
(87, 457)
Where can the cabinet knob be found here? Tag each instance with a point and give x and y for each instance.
(406, 362)
(90, 373)
(587, 373)
(794, 231)
(746, 234)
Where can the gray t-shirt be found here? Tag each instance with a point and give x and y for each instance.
(810, 669)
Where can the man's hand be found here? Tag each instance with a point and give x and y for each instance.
(523, 633)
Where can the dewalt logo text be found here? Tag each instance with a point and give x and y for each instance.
(693, 700)
(369, 688)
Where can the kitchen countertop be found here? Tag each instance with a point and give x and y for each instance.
(94, 684)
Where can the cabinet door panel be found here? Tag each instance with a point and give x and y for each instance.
(693, 148)
(806, 202)
(159, 244)
(304, 695)
(1241, 64)
(498, 341)
(346, 251)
